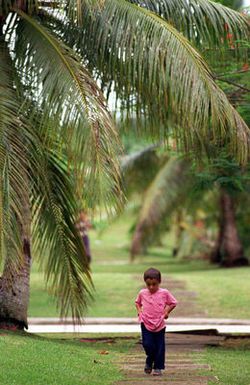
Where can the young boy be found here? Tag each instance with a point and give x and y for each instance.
(153, 305)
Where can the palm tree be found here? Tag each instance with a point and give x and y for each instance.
(180, 186)
(54, 118)
(54, 123)
(160, 201)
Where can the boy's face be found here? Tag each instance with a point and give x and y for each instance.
(152, 284)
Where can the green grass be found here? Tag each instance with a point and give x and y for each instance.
(224, 293)
(221, 292)
(231, 366)
(38, 360)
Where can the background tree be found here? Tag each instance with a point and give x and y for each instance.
(228, 240)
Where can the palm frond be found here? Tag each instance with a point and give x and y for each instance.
(74, 9)
(15, 139)
(156, 75)
(57, 243)
(203, 22)
(168, 190)
(32, 166)
(56, 80)
(139, 168)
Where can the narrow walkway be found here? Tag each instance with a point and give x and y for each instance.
(184, 362)
(184, 358)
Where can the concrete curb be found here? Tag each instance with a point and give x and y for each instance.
(133, 321)
(130, 329)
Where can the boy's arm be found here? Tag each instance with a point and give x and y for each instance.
(139, 308)
(168, 310)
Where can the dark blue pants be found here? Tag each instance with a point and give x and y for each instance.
(154, 346)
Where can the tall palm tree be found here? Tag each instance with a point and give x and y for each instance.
(54, 118)
(54, 123)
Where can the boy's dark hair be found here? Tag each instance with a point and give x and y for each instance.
(152, 274)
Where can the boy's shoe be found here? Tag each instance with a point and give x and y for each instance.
(157, 372)
(147, 369)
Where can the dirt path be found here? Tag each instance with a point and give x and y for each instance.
(187, 300)
(185, 363)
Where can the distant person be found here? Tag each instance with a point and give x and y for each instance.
(83, 225)
(154, 305)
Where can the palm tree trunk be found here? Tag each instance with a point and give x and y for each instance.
(138, 247)
(14, 292)
(15, 280)
(178, 230)
(231, 247)
(215, 255)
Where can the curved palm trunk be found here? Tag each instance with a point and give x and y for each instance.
(15, 280)
(170, 186)
(14, 292)
(231, 247)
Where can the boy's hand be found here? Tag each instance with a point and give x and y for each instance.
(168, 310)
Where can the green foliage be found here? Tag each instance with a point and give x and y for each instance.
(71, 99)
(57, 244)
(55, 121)
(138, 169)
(56, 134)
(234, 4)
(204, 20)
(167, 191)
(172, 82)
(221, 172)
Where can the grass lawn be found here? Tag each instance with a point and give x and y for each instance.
(230, 365)
(222, 292)
(40, 360)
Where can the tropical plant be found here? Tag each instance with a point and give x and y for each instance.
(231, 182)
(139, 168)
(54, 123)
(177, 195)
(160, 201)
(228, 245)
(54, 119)
(234, 4)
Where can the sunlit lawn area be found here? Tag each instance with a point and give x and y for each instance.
(51, 360)
(222, 292)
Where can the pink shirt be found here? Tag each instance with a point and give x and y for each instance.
(153, 306)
